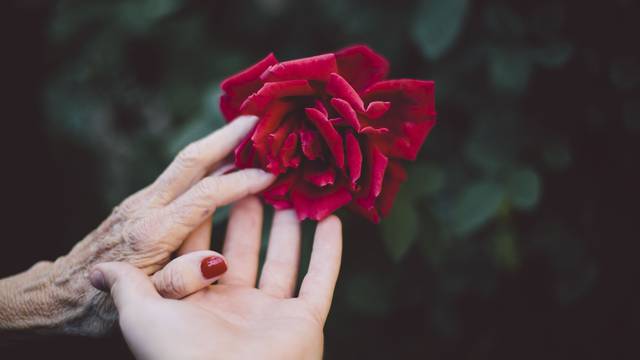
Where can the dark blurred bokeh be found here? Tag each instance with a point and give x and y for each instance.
(515, 236)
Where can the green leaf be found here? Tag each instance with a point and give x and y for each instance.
(425, 179)
(438, 24)
(503, 22)
(509, 69)
(523, 187)
(553, 55)
(399, 228)
(476, 206)
(505, 251)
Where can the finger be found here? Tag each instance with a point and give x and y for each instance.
(280, 269)
(192, 207)
(189, 273)
(320, 281)
(242, 243)
(198, 158)
(127, 284)
(198, 239)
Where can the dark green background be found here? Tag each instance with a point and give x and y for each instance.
(514, 236)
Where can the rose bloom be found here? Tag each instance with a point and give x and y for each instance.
(332, 129)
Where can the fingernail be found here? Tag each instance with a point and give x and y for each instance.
(97, 280)
(213, 266)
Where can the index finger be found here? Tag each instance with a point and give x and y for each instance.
(324, 267)
(197, 159)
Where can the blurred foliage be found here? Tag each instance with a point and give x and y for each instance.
(131, 82)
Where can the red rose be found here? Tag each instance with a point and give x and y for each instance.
(331, 128)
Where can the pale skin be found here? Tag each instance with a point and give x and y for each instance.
(129, 256)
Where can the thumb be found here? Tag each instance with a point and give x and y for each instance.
(189, 273)
(125, 282)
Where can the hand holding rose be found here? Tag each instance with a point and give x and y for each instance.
(171, 215)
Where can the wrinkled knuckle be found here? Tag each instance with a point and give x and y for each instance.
(136, 235)
(210, 186)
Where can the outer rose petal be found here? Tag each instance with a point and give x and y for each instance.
(271, 91)
(409, 120)
(311, 68)
(394, 177)
(376, 168)
(361, 66)
(318, 203)
(238, 87)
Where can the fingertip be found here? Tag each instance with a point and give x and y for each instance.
(97, 280)
(331, 222)
(258, 178)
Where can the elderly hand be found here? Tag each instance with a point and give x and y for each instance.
(171, 215)
(233, 319)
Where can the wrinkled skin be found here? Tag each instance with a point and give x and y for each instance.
(172, 215)
(331, 128)
(242, 316)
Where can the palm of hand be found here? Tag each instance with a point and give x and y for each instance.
(260, 321)
(236, 320)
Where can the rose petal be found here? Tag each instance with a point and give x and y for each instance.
(361, 66)
(269, 92)
(394, 177)
(375, 109)
(320, 106)
(317, 203)
(245, 152)
(238, 87)
(310, 143)
(274, 145)
(369, 130)
(278, 193)
(339, 87)
(376, 167)
(288, 151)
(268, 123)
(311, 68)
(346, 112)
(329, 133)
(319, 174)
(354, 158)
(409, 120)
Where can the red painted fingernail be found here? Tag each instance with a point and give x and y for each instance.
(213, 266)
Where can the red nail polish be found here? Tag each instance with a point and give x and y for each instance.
(213, 266)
